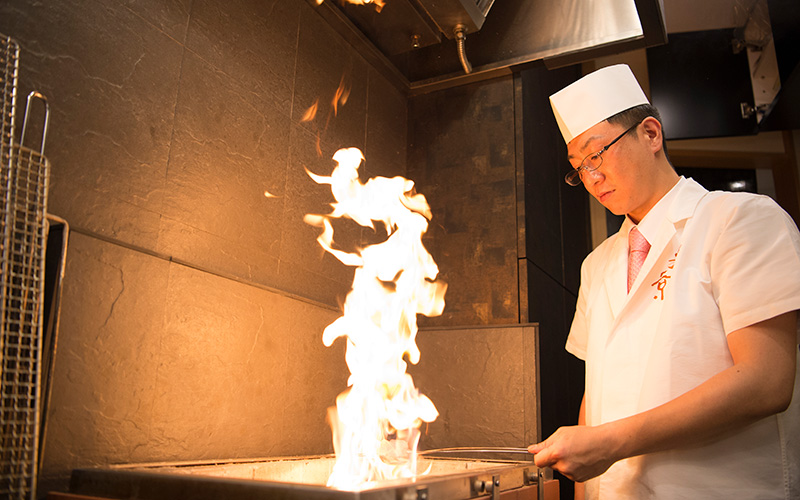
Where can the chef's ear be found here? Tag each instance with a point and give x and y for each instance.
(652, 133)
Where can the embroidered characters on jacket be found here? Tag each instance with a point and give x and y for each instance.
(661, 282)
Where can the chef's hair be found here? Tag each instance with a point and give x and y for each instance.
(634, 115)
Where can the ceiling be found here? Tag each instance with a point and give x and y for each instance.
(515, 33)
(690, 15)
(412, 44)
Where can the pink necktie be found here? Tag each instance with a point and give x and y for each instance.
(637, 252)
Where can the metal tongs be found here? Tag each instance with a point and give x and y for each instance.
(484, 449)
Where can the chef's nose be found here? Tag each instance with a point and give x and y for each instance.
(593, 176)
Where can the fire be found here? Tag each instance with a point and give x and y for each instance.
(339, 99)
(311, 112)
(379, 4)
(341, 95)
(376, 421)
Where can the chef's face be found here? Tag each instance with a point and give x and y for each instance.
(622, 182)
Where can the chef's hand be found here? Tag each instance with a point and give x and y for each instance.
(578, 452)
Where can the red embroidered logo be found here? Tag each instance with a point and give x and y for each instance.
(661, 283)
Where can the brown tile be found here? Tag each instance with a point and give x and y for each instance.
(386, 129)
(112, 95)
(461, 152)
(170, 16)
(215, 254)
(255, 43)
(314, 286)
(112, 315)
(316, 376)
(229, 367)
(324, 62)
(103, 214)
(229, 149)
(477, 379)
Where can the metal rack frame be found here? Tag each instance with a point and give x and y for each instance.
(24, 175)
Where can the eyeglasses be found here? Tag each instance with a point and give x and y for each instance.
(593, 161)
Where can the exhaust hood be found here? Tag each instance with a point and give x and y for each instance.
(415, 42)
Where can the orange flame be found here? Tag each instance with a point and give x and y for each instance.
(341, 95)
(376, 421)
(311, 112)
(340, 98)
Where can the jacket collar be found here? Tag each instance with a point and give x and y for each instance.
(688, 197)
(682, 206)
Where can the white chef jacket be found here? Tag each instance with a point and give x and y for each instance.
(718, 262)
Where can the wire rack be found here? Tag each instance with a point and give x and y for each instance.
(23, 186)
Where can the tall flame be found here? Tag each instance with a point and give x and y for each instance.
(376, 421)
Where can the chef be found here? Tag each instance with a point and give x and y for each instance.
(685, 319)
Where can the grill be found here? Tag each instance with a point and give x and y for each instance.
(23, 188)
(304, 478)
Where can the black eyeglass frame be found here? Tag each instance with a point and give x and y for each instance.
(573, 177)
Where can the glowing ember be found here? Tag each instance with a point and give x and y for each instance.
(376, 420)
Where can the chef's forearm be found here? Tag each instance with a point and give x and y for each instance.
(580, 492)
(759, 384)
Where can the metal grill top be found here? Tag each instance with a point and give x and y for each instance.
(300, 478)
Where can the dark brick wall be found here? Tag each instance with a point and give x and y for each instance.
(508, 233)
(462, 156)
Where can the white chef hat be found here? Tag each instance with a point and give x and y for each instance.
(594, 98)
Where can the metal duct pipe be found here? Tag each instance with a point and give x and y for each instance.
(461, 37)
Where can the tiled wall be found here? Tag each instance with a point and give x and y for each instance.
(462, 156)
(172, 119)
(487, 394)
(193, 304)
